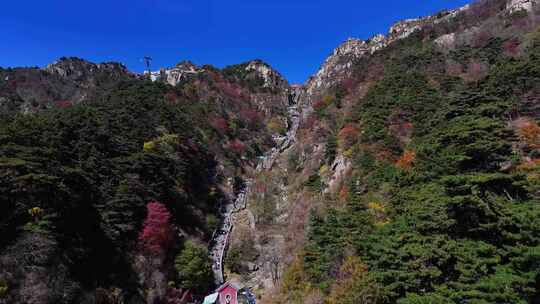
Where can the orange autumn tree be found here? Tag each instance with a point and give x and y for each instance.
(530, 134)
(406, 160)
(348, 136)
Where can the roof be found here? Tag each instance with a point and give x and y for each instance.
(233, 285)
(211, 299)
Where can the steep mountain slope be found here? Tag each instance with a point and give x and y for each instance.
(98, 198)
(414, 177)
(66, 82)
(407, 170)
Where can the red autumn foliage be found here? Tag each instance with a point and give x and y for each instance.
(260, 188)
(454, 69)
(343, 193)
(406, 160)
(251, 117)
(511, 47)
(348, 84)
(476, 71)
(348, 136)
(310, 122)
(319, 105)
(171, 97)
(236, 146)
(219, 124)
(401, 129)
(522, 23)
(63, 103)
(481, 39)
(156, 235)
(233, 91)
(178, 296)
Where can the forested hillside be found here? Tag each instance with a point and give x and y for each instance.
(98, 198)
(419, 167)
(406, 170)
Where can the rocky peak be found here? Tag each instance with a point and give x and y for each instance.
(517, 5)
(337, 65)
(173, 76)
(80, 70)
(271, 78)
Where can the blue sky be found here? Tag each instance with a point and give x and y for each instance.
(294, 36)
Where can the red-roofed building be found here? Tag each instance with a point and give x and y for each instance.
(225, 294)
(228, 293)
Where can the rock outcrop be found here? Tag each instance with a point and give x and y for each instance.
(518, 5)
(177, 74)
(65, 82)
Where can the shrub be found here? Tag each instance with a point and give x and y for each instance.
(3, 289)
(348, 136)
(233, 91)
(276, 125)
(252, 118)
(406, 160)
(36, 213)
(171, 97)
(529, 133)
(63, 103)
(344, 193)
(156, 235)
(476, 71)
(353, 284)
(211, 221)
(219, 124)
(149, 146)
(330, 150)
(236, 146)
(319, 107)
(194, 267)
(511, 47)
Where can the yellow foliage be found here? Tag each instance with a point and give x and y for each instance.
(328, 99)
(149, 146)
(376, 206)
(382, 223)
(293, 277)
(349, 153)
(294, 286)
(168, 138)
(324, 169)
(276, 125)
(3, 289)
(353, 284)
(35, 212)
(164, 141)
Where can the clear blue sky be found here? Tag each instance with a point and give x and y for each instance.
(294, 36)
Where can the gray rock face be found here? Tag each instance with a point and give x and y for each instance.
(338, 65)
(177, 74)
(517, 5)
(84, 72)
(271, 78)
